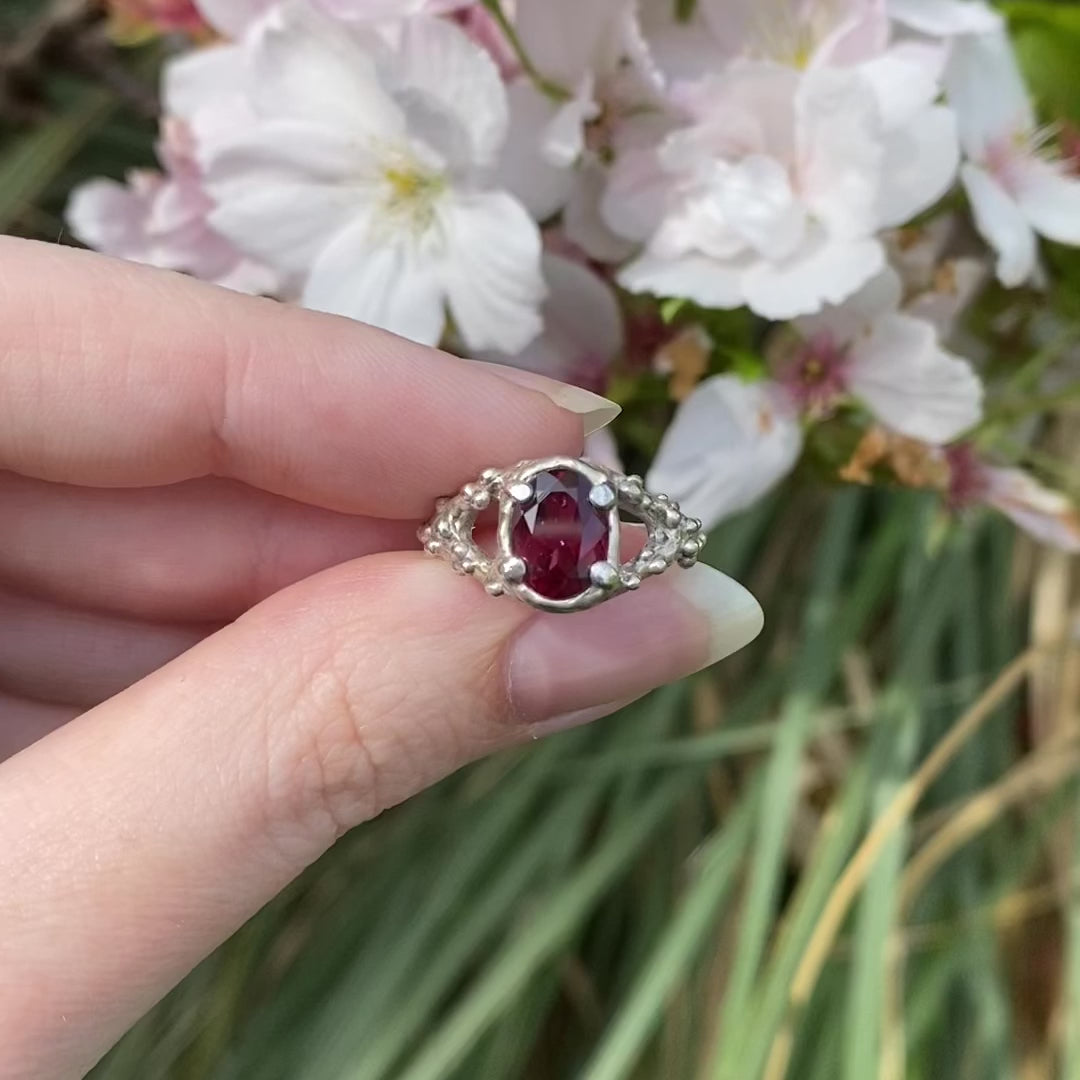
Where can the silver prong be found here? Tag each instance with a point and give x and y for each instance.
(602, 496)
(604, 575)
(520, 493)
(513, 569)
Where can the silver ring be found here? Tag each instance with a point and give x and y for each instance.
(558, 533)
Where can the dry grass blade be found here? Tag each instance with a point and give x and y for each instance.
(865, 857)
(1037, 776)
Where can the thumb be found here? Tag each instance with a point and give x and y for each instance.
(136, 839)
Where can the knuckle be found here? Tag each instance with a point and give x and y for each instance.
(335, 753)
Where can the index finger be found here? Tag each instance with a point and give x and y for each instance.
(116, 375)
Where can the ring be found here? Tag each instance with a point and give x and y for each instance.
(558, 533)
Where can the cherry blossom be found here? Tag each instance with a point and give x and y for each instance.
(773, 193)
(368, 185)
(376, 10)
(233, 18)
(161, 219)
(583, 327)
(889, 360)
(945, 18)
(1017, 185)
(1045, 514)
(564, 131)
(729, 444)
(748, 436)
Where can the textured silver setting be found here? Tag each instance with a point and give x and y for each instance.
(672, 536)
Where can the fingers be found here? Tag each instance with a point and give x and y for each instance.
(70, 657)
(115, 375)
(142, 834)
(203, 550)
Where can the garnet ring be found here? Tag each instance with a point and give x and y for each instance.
(558, 534)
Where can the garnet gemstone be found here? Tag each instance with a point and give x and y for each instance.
(559, 534)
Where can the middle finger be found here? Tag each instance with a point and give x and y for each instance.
(199, 550)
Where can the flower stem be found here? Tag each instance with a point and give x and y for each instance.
(552, 89)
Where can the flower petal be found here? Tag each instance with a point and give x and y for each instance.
(759, 205)
(602, 449)
(690, 277)
(582, 220)
(457, 77)
(322, 73)
(381, 279)
(201, 79)
(911, 384)
(635, 200)
(1047, 515)
(566, 38)
(921, 162)
(583, 326)
(1002, 223)
(280, 196)
(523, 170)
(823, 271)
(232, 18)
(111, 217)
(840, 151)
(985, 87)
(490, 270)
(906, 79)
(944, 18)
(729, 444)
(844, 323)
(1050, 199)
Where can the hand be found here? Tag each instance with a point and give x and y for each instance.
(207, 515)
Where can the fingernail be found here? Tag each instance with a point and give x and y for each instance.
(596, 411)
(566, 670)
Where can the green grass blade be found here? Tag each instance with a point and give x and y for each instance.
(512, 969)
(677, 949)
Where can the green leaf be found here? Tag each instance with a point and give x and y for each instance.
(34, 160)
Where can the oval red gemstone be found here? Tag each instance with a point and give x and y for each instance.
(559, 534)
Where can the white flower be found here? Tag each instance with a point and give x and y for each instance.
(1046, 515)
(602, 449)
(364, 178)
(554, 157)
(583, 327)
(730, 443)
(387, 10)
(945, 18)
(887, 359)
(1016, 185)
(161, 219)
(774, 192)
(232, 18)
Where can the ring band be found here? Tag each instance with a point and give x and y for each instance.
(559, 532)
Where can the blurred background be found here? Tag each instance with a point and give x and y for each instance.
(852, 851)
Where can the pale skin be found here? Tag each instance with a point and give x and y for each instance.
(219, 645)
